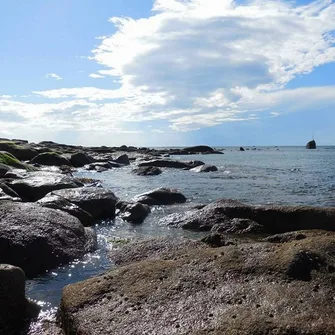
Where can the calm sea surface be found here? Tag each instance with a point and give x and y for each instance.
(283, 175)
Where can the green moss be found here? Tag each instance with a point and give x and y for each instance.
(10, 160)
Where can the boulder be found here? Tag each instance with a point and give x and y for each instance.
(170, 163)
(8, 159)
(205, 168)
(50, 159)
(233, 216)
(37, 239)
(311, 145)
(22, 151)
(4, 169)
(147, 171)
(122, 159)
(13, 301)
(169, 288)
(79, 159)
(199, 149)
(36, 185)
(57, 202)
(134, 212)
(99, 202)
(161, 196)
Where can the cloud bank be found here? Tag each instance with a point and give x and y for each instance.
(193, 64)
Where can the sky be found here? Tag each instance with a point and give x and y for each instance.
(168, 72)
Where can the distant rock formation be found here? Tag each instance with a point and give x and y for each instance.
(311, 145)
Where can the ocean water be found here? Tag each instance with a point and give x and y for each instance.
(263, 175)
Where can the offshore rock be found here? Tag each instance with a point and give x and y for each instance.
(161, 196)
(164, 287)
(147, 171)
(36, 185)
(122, 159)
(99, 202)
(37, 239)
(170, 163)
(311, 145)
(205, 168)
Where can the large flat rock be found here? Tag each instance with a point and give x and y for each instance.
(35, 185)
(234, 217)
(249, 288)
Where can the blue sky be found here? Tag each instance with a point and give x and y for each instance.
(168, 72)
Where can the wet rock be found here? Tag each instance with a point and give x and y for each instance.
(238, 226)
(164, 287)
(37, 239)
(133, 211)
(311, 145)
(99, 202)
(242, 149)
(122, 159)
(169, 163)
(36, 185)
(11, 161)
(273, 219)
(80, 159)
(161, 196)
(4, 169)
(205, 168)
(303, 263)
(21, 151)
(147, 171)
(199, 149)
(50, 158)
(57, 202)
(217, 240)
(285, 237)
(13, 301)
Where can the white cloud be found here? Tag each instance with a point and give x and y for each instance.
(198, 63)
(96, 76)
(53, 75)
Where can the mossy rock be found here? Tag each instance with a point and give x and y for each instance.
(7, 159)
(22, 152)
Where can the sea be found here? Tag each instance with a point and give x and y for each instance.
(258, 175)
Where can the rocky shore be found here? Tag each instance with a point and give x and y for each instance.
(258, 269)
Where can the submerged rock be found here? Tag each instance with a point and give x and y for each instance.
(169, 163)
(147, 171)
(36, 185)
(37, 239)
(161, 196)
(233, 216)
(205, 168)
(133, 211)
(99, 202)
(167, 287)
